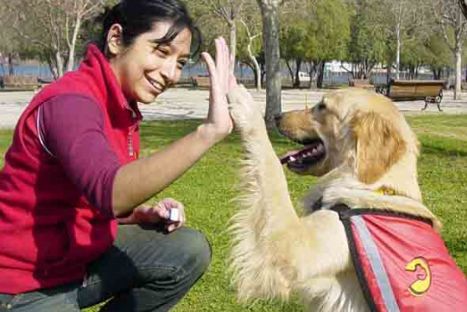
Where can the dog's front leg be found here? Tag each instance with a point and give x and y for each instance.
(267, 226)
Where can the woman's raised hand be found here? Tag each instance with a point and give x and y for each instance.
(219, 123)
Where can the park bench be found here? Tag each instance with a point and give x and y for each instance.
(201, 82)
(430, 91)
(361, 83)
(184, 82)
(20, 82)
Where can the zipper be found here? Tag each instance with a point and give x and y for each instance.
(131, 149)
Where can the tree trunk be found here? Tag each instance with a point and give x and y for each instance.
(11, 66)
(298, 64)
(364, 70)
(436, 73)
(233, 38)
(411, 72)
(256, 76)
(361, 71)
(60, 64)
(369, 69)
(71, 60)
(263, 74)
(398, 50)
(319, 81)
(72, 47)
(269, 13)
(256, 72)
(388, 73)
(55, 61)
(53, 68)
(254, 61)
(457, 87)
(310, 73)
(314, 67)
(289, 68)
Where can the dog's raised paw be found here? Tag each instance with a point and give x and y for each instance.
(243, 109)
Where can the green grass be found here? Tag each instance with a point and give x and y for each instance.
(208, 188)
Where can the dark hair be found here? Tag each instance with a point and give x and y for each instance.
(138, 16)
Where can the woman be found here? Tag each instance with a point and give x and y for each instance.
(73, 170)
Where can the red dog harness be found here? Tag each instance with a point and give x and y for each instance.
(401, 262)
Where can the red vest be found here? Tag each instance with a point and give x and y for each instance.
(402, 263)
(48, 231)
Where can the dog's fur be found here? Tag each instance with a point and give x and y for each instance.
(369, 147)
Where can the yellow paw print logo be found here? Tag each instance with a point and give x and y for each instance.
(423, 282)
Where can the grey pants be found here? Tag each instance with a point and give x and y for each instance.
(145, 270)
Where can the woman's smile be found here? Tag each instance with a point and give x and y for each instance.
(157, 86)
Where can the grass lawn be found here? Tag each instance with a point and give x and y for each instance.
(207, 190)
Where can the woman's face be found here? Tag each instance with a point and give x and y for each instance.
(145, 69)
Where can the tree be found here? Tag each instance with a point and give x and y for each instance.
(293, 44)
(327, 34)
(437, 55)
(271, 29)
(295, 19)
(453, 27)
(270, 35)
(424, 45)
(209, 23)
(229, 11)
(241, 19)
(463, 5)
(367, 46)
(252, 49)
(50, 28)
(413, 57)
(400, 14)
(400, 21)
(249, 43)
(8, 45)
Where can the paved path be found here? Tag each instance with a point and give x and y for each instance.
(187, 104)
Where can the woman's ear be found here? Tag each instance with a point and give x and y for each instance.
(114, 40)
(379, 146)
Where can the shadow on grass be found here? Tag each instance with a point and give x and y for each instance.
(443, 146)
(442, 151)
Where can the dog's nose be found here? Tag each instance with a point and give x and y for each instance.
(278, 118)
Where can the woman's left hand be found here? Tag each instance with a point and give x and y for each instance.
(159, 213)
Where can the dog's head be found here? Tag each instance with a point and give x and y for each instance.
(354, 129)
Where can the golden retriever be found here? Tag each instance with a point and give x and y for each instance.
(366, 155)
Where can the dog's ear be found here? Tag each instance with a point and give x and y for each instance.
(379, 146)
